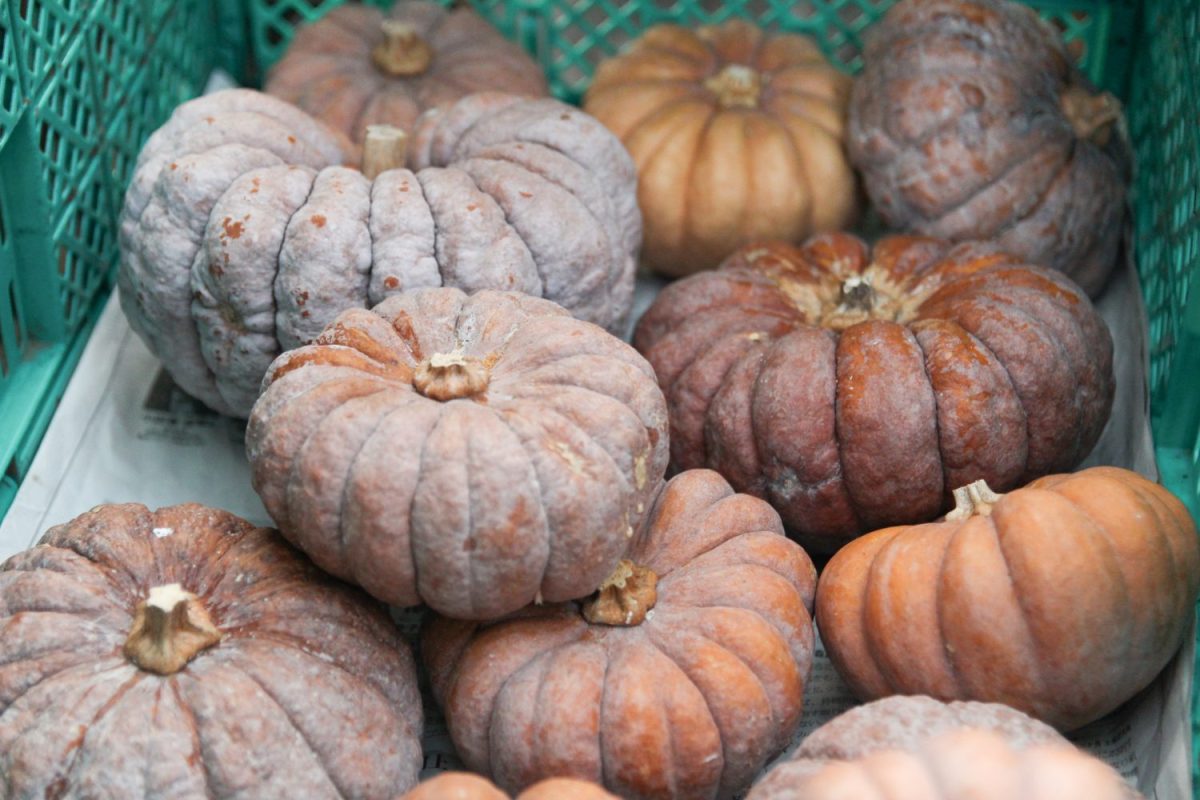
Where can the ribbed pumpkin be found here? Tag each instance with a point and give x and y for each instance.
(680, 678)
(465, 786)
(971, 121)
(1063, 599)
(185, 653)
(737, 135)
(359, 66)
(856, 388)
(472, 453)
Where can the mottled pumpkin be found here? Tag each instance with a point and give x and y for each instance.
(465, 786)
(242, 237)
(679, 678)
(359, 66)
(969, 763)
(186, 653)
(475, 453)
(855, 389)
(1062, 599)
(970, 121)
(737, 135)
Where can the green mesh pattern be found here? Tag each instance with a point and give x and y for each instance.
(10, 77)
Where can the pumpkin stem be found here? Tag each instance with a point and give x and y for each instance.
(449, 376)
(856, 294)
(1091, 115)
(736, 86)
(386, 147)
(169, 628)
(624, 598)
(402, 53)
(974, 498)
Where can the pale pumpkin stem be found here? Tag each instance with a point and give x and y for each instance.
(974, 498)
(625, 597)
(385, 147)
(736, 86)
(857, 294)
(169, 628)
(449, 376)
(1091, 115)
(402, 53)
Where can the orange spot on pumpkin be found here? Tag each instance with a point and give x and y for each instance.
(391, 282)
(318, 220)
(526, 194)
(291, 139)
(174, 166)
(472, 207)
(301, 299)
(232, 229)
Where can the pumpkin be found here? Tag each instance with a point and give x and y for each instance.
(358, 66)
(916, 748)
(737, 135)
(465, 786)
(1062, 599)
(855, 389)
(184, 652)
(241, 237)
(680, 677)
(475, 453)
(970, 121)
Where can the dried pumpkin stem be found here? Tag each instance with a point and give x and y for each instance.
(402, 53)
(169, 628)
(450, 376)
(736, 86)
(624, 598)
(974, 498)
(385, 147)
(1091, 115)
(856, 294)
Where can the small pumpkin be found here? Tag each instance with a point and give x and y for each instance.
(475, 453)
(971, 121)
(242, 236)
(856, 388)
(883, 754)
(465, 786)
(679, 678)
(737, 135)
(359, 66)
(184, 652)
(1062, 599)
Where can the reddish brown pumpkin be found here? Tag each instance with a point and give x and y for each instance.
(856, 389)
(1062, 599)
(185, 653)
(970, 121)
(678, 679)
(465, 786)
(359, 66)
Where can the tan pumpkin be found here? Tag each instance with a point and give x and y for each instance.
(679, 678)
(914, 748)
(465, 786)
(358, 66)
(1063, 599)
(186, 653)
(472, 453)
(855, 387)
(737, 135)
(242, 236)
(971, 121)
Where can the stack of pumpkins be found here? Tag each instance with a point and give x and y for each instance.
(438, 416)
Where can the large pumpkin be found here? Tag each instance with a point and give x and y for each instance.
(465, 786)
(185, 653)
(359, 66)
(737, 135)
(678, 679)
(1062, 599)
(970, 121)
(856, 389)
(965, 758)
(473, 453)
(241, 237)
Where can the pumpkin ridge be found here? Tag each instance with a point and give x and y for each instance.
(685, 200)
(282, 243)
(798, 109)
(671, 391)
(104, 559)
(937, 422)
(952, 668)
(77, 752)
(197, 754)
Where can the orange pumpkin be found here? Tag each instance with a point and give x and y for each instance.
(465, 786)
(1062, 599)
(737, 136)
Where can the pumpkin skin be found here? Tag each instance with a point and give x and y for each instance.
(737, 135)
(341, 70)
(304, 688)
(1062, 599)
(465, 786)
(852, 407)
(241, 237)
(689, 702)
(970, 121)
(518, 473)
